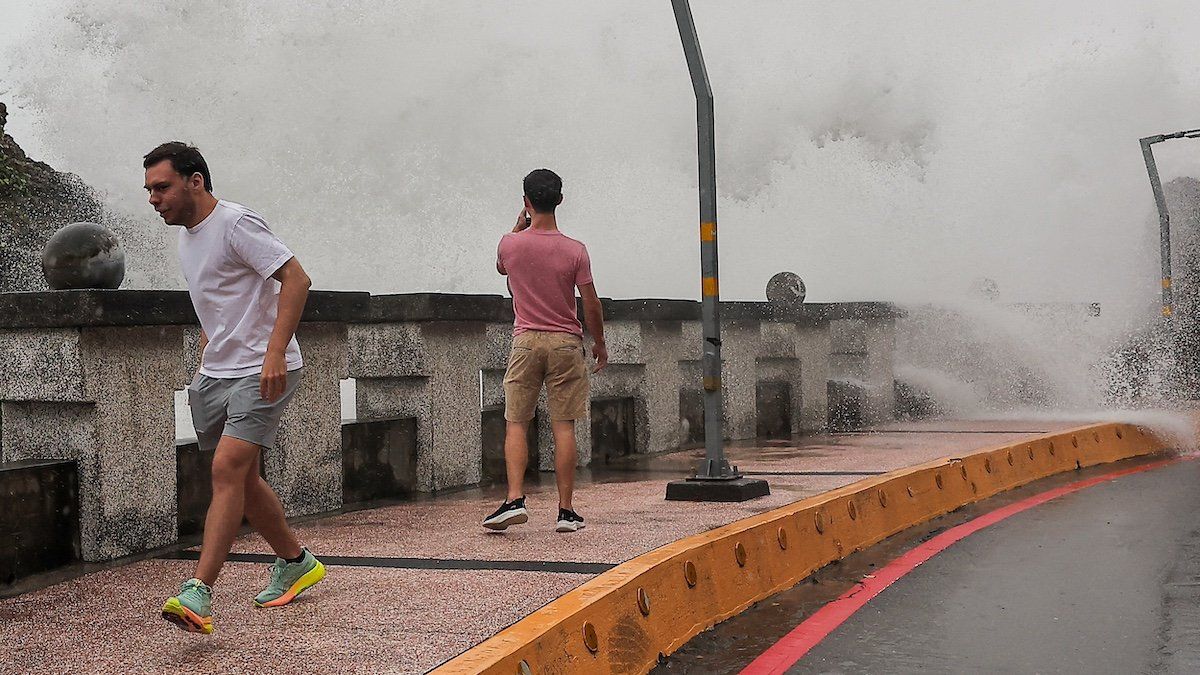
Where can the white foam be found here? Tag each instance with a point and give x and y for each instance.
(880, 151)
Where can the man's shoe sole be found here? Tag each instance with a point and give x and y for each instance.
(302, 584)
(568, 526)
(514, 517)
(186, 619)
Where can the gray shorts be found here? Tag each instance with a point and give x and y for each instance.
(233, 407)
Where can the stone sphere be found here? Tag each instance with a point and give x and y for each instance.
(786, 289)
(83, 255)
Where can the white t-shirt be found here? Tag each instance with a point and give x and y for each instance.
(228, 260)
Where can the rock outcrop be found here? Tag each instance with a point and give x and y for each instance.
(36, 200)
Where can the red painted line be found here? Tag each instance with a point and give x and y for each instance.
(793, 646)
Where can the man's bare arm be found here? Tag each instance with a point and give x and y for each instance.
(293, 293)
(203, 346)
(593, 317)
(522, 223)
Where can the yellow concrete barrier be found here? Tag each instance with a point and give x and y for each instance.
(625, 619)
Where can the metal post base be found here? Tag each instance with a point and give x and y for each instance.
(729, 488)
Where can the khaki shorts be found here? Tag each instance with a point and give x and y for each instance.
(555, 359)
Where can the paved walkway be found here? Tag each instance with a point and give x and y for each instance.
(415, 584)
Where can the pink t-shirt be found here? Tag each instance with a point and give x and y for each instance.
(544, 268)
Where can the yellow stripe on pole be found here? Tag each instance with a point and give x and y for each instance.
(1166, 310)
(708, 231)
(1166, 282)
(710, 286)
(712, 384)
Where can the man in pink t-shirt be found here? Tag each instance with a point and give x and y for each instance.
(544, 267)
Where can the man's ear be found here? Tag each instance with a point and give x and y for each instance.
(196, 181)
(560, 198)
(528, 205)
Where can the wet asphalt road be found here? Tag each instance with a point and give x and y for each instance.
(1105, 580)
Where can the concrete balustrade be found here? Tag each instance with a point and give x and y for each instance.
(421, 356)
(90, 376)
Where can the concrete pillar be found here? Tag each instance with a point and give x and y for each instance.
(862, 353)
(739, 352)
(305, 466)
(661, 382)
(103, 397)
(625, 377)
(777, 362)
(740, 348)
(421, 355)
(880, 337)
(813, 352)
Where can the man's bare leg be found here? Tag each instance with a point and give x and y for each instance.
(265, 513)
(566, 454)
(233, 460)
(516, 457)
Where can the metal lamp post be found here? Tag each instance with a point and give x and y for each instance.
(1178, 343)
(1164, 218)
(715, 479)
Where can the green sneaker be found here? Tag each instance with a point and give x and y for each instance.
(290, 579)
(191, 610)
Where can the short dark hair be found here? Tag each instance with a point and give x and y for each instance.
(185, 159)
(543, 187)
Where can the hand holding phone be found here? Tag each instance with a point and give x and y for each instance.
(523, 220)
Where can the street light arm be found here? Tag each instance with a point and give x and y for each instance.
(1159, 138)
(691, 51)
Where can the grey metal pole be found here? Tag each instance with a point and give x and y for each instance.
(714, 464)
(1164, 218)
(1164, 222)
(715, 479)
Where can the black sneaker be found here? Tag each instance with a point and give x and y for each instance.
(509, 513)
(568, 521)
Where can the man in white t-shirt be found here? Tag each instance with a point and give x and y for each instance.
(249, 292)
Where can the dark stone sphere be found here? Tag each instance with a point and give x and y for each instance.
(83, 255)
(786, 289)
